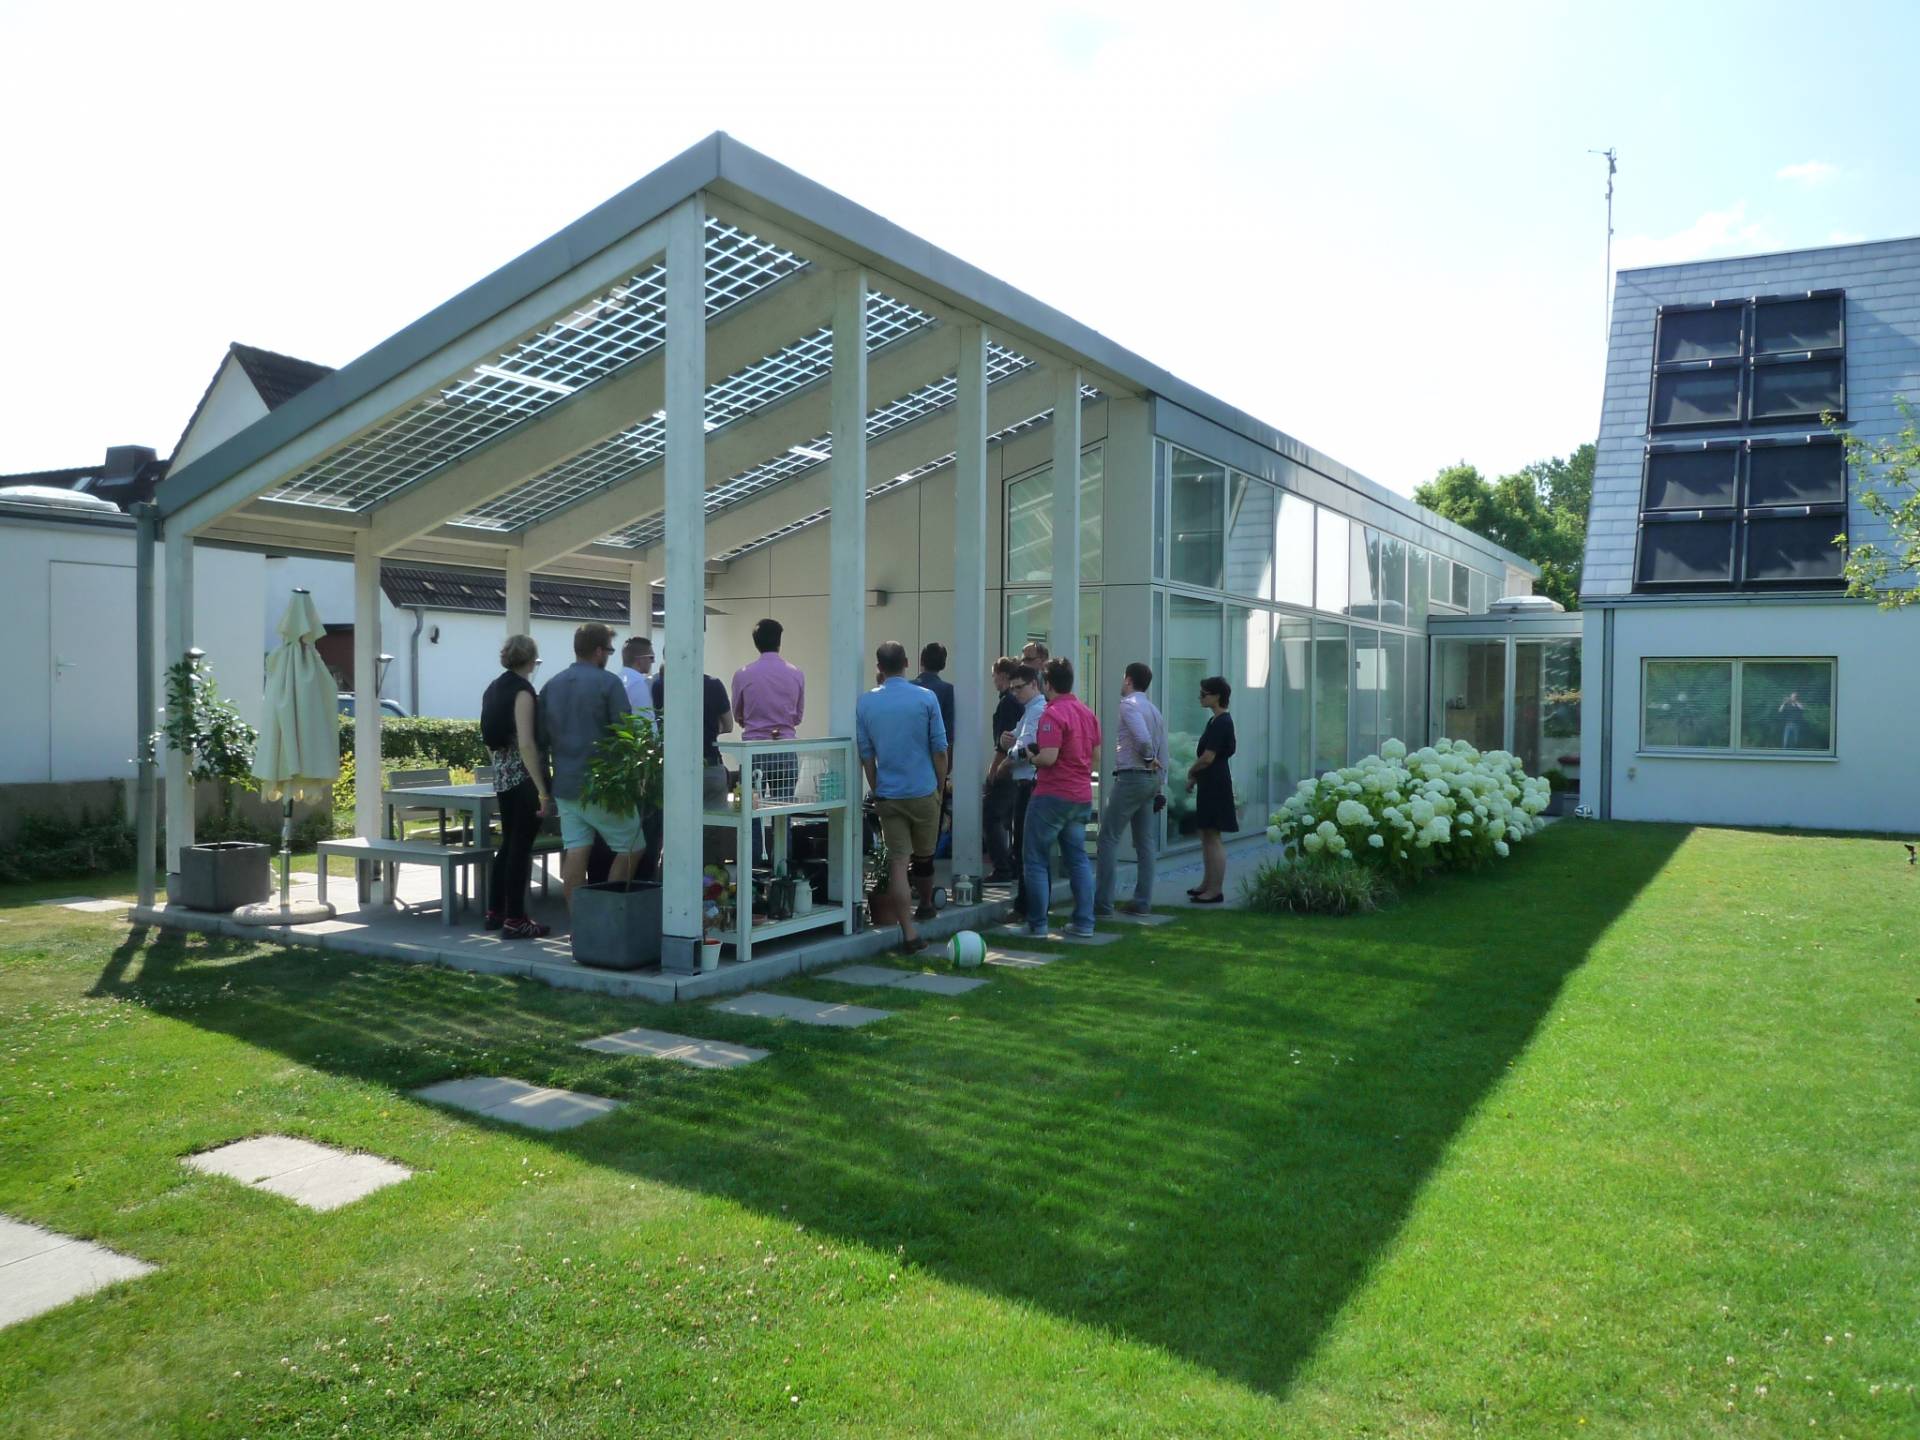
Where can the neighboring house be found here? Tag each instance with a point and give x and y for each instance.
(1735, 681)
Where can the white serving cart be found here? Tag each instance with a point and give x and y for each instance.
(781, 781)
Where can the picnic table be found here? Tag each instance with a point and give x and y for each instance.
(476, 801)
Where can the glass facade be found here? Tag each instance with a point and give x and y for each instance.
(1030, 524)
(1470, 691)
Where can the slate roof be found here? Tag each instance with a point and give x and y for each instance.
(484, 592)
(278, 378)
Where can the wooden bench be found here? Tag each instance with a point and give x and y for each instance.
(391, 854)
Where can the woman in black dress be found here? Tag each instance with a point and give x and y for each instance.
(509, 728)
(1213, 808)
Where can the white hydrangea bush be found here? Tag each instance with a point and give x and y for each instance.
(1446, 806)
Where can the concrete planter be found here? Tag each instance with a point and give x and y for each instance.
(616, 925)
(223, 876)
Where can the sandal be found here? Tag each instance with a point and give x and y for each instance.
(1209, 899)
(913, 946)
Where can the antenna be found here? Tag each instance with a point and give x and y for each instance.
(1606, 281)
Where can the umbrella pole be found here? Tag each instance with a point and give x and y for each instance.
(286, 851)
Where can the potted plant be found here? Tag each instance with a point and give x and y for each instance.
(616, 924)
(218, 745)
(879, 903)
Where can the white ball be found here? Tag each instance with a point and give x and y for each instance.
(967, 949)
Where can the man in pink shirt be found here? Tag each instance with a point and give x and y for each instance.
(769, 696)
(1067, 739)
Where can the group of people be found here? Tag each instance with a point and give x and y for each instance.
(1038, 791)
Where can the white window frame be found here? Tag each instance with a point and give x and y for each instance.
(1735, 750)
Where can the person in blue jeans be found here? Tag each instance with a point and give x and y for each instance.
(1065, 742)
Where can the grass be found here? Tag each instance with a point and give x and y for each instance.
(1620, 1138)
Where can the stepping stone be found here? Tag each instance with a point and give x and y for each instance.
(938, 984)
(902, 979)
(807, 1012)
(1017, 959)
(319, 1177)
(1058, 937)
(866, 975)
(519, 1103)
(41, 1270)
(702, 1054)
(86, 904)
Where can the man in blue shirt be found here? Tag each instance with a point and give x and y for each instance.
(903, 752)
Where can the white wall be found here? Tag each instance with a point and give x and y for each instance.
(231, 405)
(227, 625)
(1869, 785)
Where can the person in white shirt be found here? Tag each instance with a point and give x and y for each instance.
(1134, 800)
(636, 665)
(1025, 688)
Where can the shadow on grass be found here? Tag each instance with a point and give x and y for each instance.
(1203, 1138)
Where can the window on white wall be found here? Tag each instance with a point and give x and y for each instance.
(1751, 705)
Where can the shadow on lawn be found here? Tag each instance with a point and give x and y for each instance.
(1203, 1139)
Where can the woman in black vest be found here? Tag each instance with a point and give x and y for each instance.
(509, 728)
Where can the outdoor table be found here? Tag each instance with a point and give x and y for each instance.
(477, 801)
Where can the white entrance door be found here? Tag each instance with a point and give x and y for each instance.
(92, 685)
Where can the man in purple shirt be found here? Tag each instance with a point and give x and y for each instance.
(769, 696)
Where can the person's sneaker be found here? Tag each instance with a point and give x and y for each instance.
(493, 921)
(525, 930)
(1039, 934)
(1139, 907)
(1106, 914)
(924, 913)
(1077, 933)
(913, 946)
(1001, 877)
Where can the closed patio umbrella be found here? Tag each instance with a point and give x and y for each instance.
(298, 757)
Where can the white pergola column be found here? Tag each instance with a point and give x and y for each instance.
(179, 639)
(640, 599)
(686, 529)
(847, 605)
(1065, 626)
(367, 777)
(519, 594)
(969, 598)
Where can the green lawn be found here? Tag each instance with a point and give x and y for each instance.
(1620, 1139)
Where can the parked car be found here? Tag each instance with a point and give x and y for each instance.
(387, 707)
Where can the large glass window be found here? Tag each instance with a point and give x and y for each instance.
(1366, 691)
(1029, 616)
(1476, 593)
(1771, 360)
(1030, 524)
(1332, 678)
(1417, 588)
(1293, 662)
(1160, 463)
(1393, 688)
(1197, 500)
(1330, 562)
(1249, 666)
(1462, 597)
(1441, 588)
(1293, 551)
(1751, 706)
(1416, 732)
(1193, 653)
(1250, 537)
(1470, 687)
(1363, 584)
(1546, 709)
(1393, 580)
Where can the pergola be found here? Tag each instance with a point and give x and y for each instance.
(715, 357)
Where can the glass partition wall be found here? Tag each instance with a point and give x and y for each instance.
(1317, 620)
(1515, 691)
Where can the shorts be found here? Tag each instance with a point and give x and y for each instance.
(580, 822)
(910, 827)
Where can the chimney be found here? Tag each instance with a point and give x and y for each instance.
(129, 475)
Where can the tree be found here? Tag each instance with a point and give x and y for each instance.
(1539, 511)
(1891, 496)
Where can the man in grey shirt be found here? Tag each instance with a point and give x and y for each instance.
(577, 707)
(1133, 799)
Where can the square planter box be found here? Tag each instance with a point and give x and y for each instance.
(223, 876)
(616, 925)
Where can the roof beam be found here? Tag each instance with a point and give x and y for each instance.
(796, 307)
(895, 370)
(1014, 399)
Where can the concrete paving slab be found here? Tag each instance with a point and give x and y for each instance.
(320, 1177)
(1058, 937)
(87, 905)
(660, 1045)
(1124, 917)
(807, 1012)
(1017, 959)
(53, 1274)
(515, 1101)
(866, 975)
(938, 984)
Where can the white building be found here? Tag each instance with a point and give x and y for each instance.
(1735, 682)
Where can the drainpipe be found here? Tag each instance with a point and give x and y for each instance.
(413, 660)
(145, 807)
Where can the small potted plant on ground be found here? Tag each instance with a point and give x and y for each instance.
(218, 745)
(616, 924)
(878, 877)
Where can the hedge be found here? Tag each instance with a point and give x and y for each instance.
(424, 740)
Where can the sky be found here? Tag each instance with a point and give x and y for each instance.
(1378, 228)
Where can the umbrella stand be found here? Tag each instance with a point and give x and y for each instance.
(286, 910)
